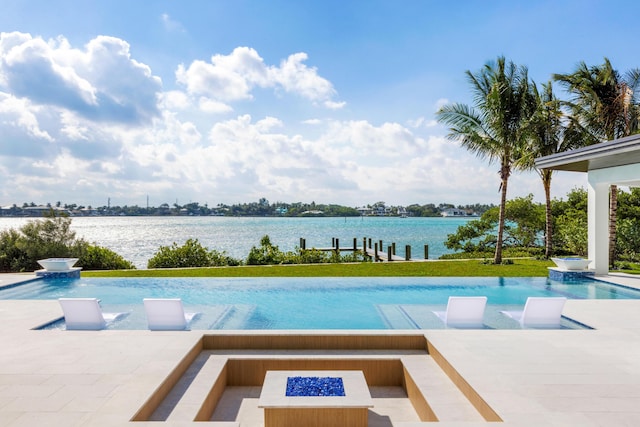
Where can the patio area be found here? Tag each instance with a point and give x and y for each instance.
(525, 377)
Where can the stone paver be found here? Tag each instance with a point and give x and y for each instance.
(529, 377)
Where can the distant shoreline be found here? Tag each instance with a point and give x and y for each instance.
(260, 209)
(248, 216)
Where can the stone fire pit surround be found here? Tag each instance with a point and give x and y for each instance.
(311, 408)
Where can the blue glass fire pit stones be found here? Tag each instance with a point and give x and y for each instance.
(315, 386)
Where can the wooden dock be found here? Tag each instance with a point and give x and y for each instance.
(373, 250)
(384, 256)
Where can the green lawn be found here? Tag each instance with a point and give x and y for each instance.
(457, 268)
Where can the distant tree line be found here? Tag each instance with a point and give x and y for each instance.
(260, 208)
(431, 210)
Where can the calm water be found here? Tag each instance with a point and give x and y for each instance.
(315, 303)
(138, 238)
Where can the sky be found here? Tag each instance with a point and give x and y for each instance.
(231, 101)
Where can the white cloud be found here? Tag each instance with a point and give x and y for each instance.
(421, 122)
(209, 80)
(100, 82)
(441, 103)
(175, 100)
(33, 69)
(73, 128)
(106, 129)
(170, 24)
(416, 123)
(209, 105)
(19, 113)
(332, 105)
(233, 77)
(294, 76)
(312, 121)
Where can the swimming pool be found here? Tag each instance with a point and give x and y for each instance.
(315, 303)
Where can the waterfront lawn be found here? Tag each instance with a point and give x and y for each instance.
(457, 268)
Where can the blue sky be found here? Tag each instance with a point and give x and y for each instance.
(230, 101)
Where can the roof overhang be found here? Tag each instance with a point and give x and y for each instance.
(619, 152)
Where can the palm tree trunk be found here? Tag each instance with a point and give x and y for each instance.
(546, 182)
(497, 259)
(613, 213)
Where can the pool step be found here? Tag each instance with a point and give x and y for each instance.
(190, 397)
(443, 397)
(22, 291)
(409, 316)
(394, 318)
(235, 318)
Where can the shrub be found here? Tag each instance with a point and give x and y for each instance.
(507, 253)
(218, 258)
(266, 254)
(47, 238)
(628, 239)
(270, 254)
(191, 254)
(52, 237)
(311, 256)
(571, 231)
(92, 257)
(12, 258)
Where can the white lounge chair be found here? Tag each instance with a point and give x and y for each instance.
(465, 312)
(539, 312)
(85, 314)
(166, 314)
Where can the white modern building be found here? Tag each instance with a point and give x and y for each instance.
(609, 163)
(453, 212)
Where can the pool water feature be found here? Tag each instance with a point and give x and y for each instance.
(315, 303)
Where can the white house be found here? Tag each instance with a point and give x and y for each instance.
(453, 212)
(609, 163)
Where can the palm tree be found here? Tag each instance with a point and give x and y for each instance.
(606, 104)
(494, 127)
(549, 131)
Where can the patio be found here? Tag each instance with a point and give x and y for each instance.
(527, 377)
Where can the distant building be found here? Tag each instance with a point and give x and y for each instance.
(364, 211)
(454, 212)
(381, 210)
(312, 212)
(31, 211)
(85, 212)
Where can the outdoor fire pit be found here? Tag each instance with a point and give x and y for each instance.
(315, 399)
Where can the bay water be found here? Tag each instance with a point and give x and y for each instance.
(137, 239)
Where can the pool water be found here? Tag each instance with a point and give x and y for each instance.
(315, 303)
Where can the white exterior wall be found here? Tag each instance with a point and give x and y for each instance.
(598, 210)
(598, 226)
